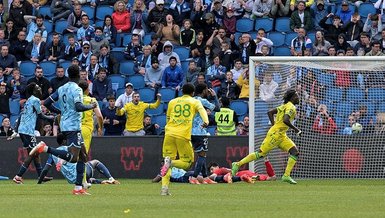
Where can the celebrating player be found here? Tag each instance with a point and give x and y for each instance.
(276, 136)
(70, 97)
(180, 114)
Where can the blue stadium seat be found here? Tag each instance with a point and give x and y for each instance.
(60, 26)
(65, 64)
(167, 94)
(118, 81)
(289, 37)
(334, 94)
(184, 65)
(311, 35)
(281, 51)
(118, 54)
(49, 68)
(13, 119)
(326, 79)
(90, 11)
(183, 52)
(126, 39)
(45, 10)
(341, 123)
(99, 23)
(27, 68)
(381, 107)
(366, 8)
(331, 106)
(156, 111)
(371, 106)
(344, 109)
(265, 23)
(102, 104)
(14, 106)
(137, 81)
(282, 24)
(244, 25)
(48, 26)
(240, 107)
(127, 68)
(376, 94)
(211, 129)
(147, 94)
(277, 38)
(355, 95)
(160, 120)
(147, 39)
(119, 92)
(103, 10)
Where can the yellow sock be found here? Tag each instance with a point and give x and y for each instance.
(181, 164)
(166, 178)
(248, 158)
(290, 164)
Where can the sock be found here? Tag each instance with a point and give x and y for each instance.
(236, 179)
(79, 173)
(65, 155)
(204, 167)
(38, 167)
(103, 170)
(219, 179)
(180, 164)
(22, 170)
(198, 166)
(166, 178)
(290, 164)
(269, 169)
(248, 158)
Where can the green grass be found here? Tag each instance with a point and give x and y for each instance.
(309, 198)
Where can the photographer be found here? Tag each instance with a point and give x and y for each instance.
(323, 123)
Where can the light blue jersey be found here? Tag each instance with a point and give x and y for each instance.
(29, 116)
(67, 169)
(177, 173)
(197, 123)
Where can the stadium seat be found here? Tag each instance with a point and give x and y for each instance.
(27, 68)
(211, 129)
(155, 112)
(127, 68)
(240, 107)
(341, 123)
(99, 23)
(244, 25)
(49, 68)
(160, 120)
(65, 64)
(126, 39)
(14, 106)
(118, 54)
(282, 24)
(326, 79)
(289, 37)
(119, 92)
(366, 8)
(376, 94)
(277, 38)
(147, 94)
(311, 35)
(381, 107)
(60, 26)
(48, 26)
(103, 10)
(44, 11)
(281, 51)
(265, 23)
(147, 39)
(183, 52)
(167, 94)
(344, 109)
(331, 106)
(137, 81)
(334, 94)
(90, 11)
(118, 81)
(102, 104)
(371, 106)
(184, 65)
(355, 95)
(13, 119)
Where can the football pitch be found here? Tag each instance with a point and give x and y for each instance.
(141, 198)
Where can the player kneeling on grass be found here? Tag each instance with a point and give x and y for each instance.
(276, 136)
(68, 170)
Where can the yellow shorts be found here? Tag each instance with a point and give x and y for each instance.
(276, 139)
(173, 146)
(87, 136)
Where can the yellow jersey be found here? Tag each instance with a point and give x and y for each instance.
(288, 109)
(180, 116)
(88, 116)
(135, 114)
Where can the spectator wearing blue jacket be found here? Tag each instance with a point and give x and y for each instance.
(102, 86)
(173, 75)
(113, 124)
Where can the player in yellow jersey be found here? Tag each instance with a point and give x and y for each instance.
(177, 140)
(276, 136)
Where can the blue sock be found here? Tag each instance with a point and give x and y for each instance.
(198, 166)
(38, 167)
(103, 170)
(79, 173)
(22, 170)
(65, 155)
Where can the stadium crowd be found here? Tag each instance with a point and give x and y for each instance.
(143, 47)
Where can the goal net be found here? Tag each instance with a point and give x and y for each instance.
(341, 113)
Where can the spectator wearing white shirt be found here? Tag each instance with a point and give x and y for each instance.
(267, 88)
(262, 40)
(237, 70)
(126, 97)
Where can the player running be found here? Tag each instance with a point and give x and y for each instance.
(276, 136)
(180, 114)
(70, 98)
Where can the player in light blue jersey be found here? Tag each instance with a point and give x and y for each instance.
(26, 129)
(68, 170)
(178, 175)
(199, 134)
(70, 98)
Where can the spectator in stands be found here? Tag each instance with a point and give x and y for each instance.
(113, 124)
(60, 9)
(169, 31)
(246, 48)
(332, 51)
(246, 125)
(98, 41)
(197, 11)
(229, 88)
(268, 88)
(209, 24)
(341, 43)
(301, 18)
(187, 34)
(157, 15)
(319, 11)
(150, 128)
(362, 117)
(59, 80)
(238, 69)
(262, 8)
(85, 57)
(353, 29)
(3, 14)
(323, 123)
(143, 62)
(55, 50)
(301, 43)
(121, 18)
(180, 9)
(332, 30)
(244, 85)
(382, 41)
(226, 55)
(35, 25)
(226, 119)
(349, 52)
(6, 129)
(126, 97)
(2, 77)
(3, 40)
(101, 86)
(73, 49)
(379, 127)
(17, 83)
(207, 59)
(216, 39)
(156, 45)
(35, 50)
(320, 46)
(192, 72)
(86, 31)
(376, 49)
(154, 74)
(107, 61)
(173, 75)
(345, 13)
(138, 18)
(216, 73)
(262, 40)
(7, 61)
(134, 112)
(363, 46)
(167, 53)
(5, 95)
(230, 20)
(373, 26)
(46, 129)
(280, 8)
(348, 130)
(134, 48)
(197, 47)
(75, 19)
(109, 30)
(43, 82)
(218, 8)
(84, 76)
(294, 4)
(93, 68)
(201, 79)
(10, 33)
(17, 11)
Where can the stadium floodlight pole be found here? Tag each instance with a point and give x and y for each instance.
(364, 64)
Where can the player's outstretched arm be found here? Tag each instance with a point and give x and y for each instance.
(271, 114)
(99, 117)
(80, 107)
(48, 103)
(286, 120)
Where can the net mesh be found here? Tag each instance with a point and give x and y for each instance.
(341, 112)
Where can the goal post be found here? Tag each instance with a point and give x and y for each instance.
(341, 113)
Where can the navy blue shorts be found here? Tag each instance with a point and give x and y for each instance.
(74, 138)
(28, 141)
(200, 143)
